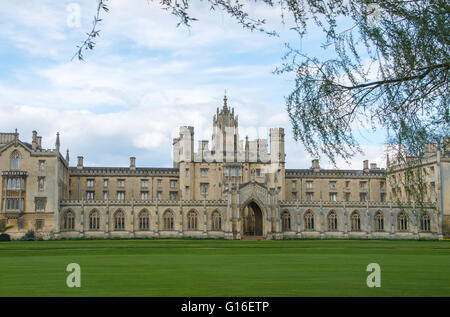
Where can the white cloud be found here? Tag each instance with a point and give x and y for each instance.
(144, 79)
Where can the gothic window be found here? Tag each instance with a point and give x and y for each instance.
(216, 221)
(309, 220)
(15, 160)
(332, 221)
(362, 197)
(425, 222)
(41, 181)
(90, 195)
(168, 220)
(286, 221)
(94, 220)
(204, 188)
(144, 220)
(356, 221)
(402, 222)
(333, 196)
(379, 221)
(119, 220)
(69, 221)
(120, 195)
(39, 224)
(40, 204)
(192, 220)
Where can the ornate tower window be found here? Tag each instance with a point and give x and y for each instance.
(402, 222)
(168, 220)
(192, 220)
(119, 220)
(94, 220)
(15, 161)
(425, 222)
(69, 220)
(379, 221)
(332, 221)
(216, 221)
(144, 220)
(356, 221)
(309, 220)
(286, 221)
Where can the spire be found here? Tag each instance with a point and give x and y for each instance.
(57, 141)
(225, 101)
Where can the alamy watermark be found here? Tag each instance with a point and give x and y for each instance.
(374, 278)
(74, 278)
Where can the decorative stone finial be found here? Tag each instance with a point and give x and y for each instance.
(57, 144)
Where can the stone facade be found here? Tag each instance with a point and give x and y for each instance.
(233, 189)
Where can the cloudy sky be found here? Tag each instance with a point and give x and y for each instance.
(145, 78)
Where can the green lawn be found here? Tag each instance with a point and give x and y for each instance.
(225, 268)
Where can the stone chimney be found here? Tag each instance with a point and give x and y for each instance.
(366, 165)
(39, 142)
(315, 165)
(80, 162)
(132, 163)
(373, 166)
(34, 140)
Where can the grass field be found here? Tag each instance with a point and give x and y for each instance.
(225, 268)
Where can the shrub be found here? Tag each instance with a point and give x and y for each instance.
(5, 237)
(29, 236)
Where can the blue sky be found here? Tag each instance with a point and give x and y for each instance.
(145, 78)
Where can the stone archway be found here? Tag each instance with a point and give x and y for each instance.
(252, 220)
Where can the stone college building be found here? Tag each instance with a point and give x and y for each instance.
(231, 188)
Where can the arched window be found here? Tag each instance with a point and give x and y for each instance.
(192, 220)
(168, 220)
(286, 221)
(402, 221)
(119, 220)
(425, 222)
(15, 160)
(94, 220)
(379, 221)
(216, 221)
(309, 220)
(356, 221)
(144, 221)
(69, 220)
(332, 221)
